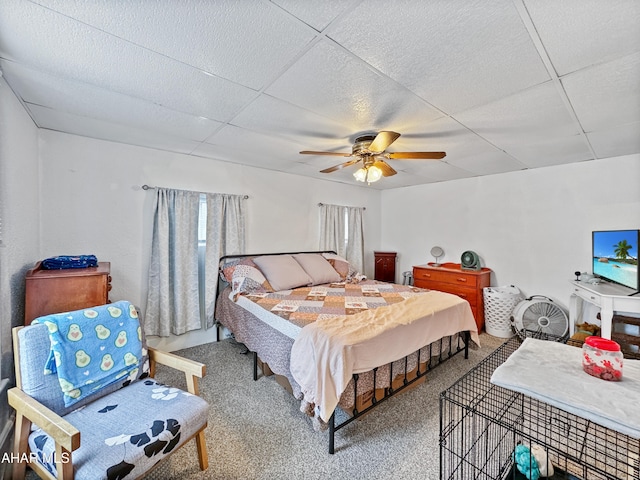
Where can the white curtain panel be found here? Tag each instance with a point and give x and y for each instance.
(335, 222)
(355, 245)
(173, 299)
(332, 228)
(225, 236)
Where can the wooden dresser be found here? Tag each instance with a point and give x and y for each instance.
(385, 266)
(450, 278)
(55, 291)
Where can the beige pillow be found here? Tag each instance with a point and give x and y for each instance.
(282, 272)
(318, 268)
(341, 265)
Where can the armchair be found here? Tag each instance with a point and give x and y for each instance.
(121, 431)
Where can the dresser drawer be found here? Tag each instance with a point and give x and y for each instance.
(455, 278)
(468, 294)
(451, 278)
(588, 296)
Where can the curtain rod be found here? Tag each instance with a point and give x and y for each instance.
(323, 204)
(147, 187)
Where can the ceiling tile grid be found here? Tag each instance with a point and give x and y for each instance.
(499, 85)
(579, 34)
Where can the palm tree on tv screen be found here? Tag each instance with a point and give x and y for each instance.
(622, 249)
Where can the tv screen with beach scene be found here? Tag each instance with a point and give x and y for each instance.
(615, 256)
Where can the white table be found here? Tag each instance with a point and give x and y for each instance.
(609, 297)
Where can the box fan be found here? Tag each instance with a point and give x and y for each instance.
(539, 314)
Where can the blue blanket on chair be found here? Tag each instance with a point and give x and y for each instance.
(93, 347)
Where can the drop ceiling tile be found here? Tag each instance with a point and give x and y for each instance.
(464, 149)
(102, 130)
(60, 46)
(254, 142)
(619, 140)
(438, 171)
(607, 94)
(331, 82)
(551, 151)
(316, 14)
(581, 33)
(246, 42)
(91, 102)
(455, 55)
(444, 134)
(233, 155)
(271, 116)
(486, 162)
(529, 116)
(244, 146)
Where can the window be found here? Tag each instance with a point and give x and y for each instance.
(202, 255)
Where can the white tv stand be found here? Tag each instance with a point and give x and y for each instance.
(610, 297)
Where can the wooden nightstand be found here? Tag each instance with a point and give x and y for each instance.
(385, 266)
(450, 278)
(55, 291)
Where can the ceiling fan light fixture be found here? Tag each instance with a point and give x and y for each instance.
(360, 174)
(368, 174)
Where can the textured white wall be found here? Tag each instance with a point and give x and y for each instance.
(532, 228)
(92, 203)
(19, 211)
(19, 204)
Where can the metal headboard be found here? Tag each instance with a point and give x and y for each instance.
(223, 260)
(226, 258)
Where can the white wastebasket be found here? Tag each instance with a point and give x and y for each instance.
(499, 303)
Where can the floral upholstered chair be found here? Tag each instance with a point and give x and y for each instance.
(87, 406)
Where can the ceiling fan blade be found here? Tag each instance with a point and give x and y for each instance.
(338, 167)
(382, 141)
(409, 155)
(334, 154)
(387, 171)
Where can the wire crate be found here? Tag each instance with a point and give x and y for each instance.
(481, 424)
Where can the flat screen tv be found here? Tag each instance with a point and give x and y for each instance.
(615, 256)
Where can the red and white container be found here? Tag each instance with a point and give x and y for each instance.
(602, 358)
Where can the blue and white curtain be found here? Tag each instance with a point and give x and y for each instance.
(341, 230)
(174, 297)
(225, 236)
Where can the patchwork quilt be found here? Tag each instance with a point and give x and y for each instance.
(343, 328)
(306, 305)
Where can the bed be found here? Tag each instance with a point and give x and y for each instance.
(340, 343)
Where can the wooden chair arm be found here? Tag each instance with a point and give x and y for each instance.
(190, 367)
(62, 432)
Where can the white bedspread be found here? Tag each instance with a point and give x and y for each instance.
(328, 352)
(552, 372)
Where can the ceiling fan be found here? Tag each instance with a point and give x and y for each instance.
(370, 150)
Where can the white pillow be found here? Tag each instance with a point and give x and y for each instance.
(318, 268)
(282, 272)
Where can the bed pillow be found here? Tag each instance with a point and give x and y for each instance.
(228, 269)
(244, 277)
(341, 265)
(318, 268)
(282, 272)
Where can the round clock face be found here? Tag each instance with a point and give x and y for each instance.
(437, 252)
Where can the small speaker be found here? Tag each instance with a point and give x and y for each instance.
(470, 261)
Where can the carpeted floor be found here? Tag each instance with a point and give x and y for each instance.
(256, 430)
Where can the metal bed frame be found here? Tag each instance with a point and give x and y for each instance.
(446, 348)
